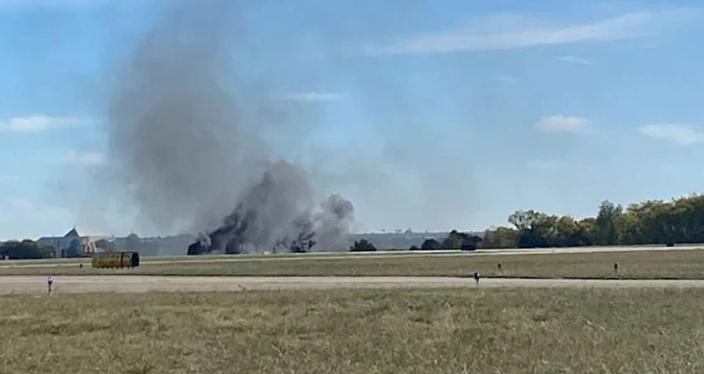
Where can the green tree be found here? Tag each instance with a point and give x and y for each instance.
(587, 228)
(454, 240)
(566, 232)
(460, 240)
(500, 237)
(629, 228)
(524, 219)
(533, 228)
(430, 244)
(26, 249)
(606, 223)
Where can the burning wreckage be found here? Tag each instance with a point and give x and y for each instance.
(276, 215)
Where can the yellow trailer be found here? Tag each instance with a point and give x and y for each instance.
(124, 259)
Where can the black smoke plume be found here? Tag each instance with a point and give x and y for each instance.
(275, 214)
(189, 155)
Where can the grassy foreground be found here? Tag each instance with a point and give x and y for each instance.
(356, 331)
(686, 264)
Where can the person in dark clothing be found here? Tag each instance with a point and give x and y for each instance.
(49, 282)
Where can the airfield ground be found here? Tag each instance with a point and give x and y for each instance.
(590, 263)
(460, 330)
(361, 313)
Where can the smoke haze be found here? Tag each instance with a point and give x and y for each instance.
(188, 154)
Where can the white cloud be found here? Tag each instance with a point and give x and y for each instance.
(682, 134)
(38, 123)
(575, 60)
(313, 96)
(562, 123)
(85, 158)
(509, 32)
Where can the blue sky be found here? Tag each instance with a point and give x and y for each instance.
(428, 115)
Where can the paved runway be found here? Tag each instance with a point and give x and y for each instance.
(137, 284)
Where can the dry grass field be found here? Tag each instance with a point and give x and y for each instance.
(357, 331)
(651, 264)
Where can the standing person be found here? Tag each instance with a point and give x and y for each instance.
(49, 282)
(476, 277)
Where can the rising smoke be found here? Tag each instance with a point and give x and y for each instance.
(189, 155)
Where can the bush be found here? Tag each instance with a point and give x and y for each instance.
(430, 244)
(460, 240)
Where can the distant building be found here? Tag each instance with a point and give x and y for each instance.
(62, 244)
(149, 246)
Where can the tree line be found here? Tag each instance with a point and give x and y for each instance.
(454, 240)
(25, 249)
(651, 222)
(30, 249)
